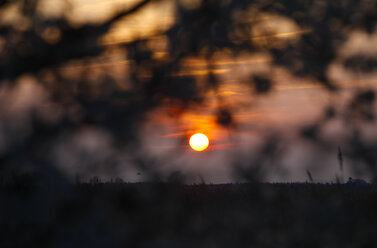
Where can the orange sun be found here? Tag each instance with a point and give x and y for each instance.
(199, 142)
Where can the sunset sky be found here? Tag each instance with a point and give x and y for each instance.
(293, 102)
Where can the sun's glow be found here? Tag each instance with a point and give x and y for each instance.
(199, 142)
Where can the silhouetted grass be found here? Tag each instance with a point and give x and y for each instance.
(173, 215)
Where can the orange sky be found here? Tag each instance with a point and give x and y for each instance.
(292, 101)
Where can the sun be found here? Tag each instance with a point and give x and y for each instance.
(199, 142)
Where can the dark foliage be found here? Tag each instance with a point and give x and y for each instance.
(40, 208)
(209, 27)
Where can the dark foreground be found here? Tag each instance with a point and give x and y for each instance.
(166, 215)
